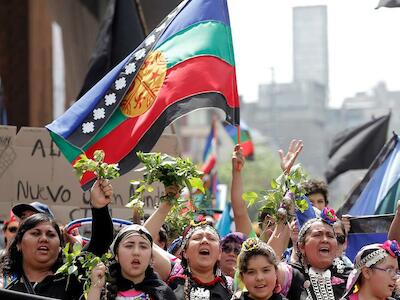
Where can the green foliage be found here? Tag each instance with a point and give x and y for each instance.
(179, 217)
(170, 171)
(97, 165)
(80, 264)
(286, 195)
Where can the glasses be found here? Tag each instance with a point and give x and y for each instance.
(341, 239)
(230, 248)
(391, 272)
(12, 229)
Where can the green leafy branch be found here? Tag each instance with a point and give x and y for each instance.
(179, 217)
(170, 171)
(286, 195)
(97, 165)
(80, 264)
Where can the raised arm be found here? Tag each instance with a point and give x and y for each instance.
(157, 218)
(279, 239)
(161, 259)
(102, 226)
(240, 213)
(288, 159)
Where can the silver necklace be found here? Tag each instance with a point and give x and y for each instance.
(321, 285)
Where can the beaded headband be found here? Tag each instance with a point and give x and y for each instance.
(371, 259)
(252, 244)
(199, 223)
(327, 216)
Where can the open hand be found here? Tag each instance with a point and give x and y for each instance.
(288, 159)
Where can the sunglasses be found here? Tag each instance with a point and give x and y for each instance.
(230, 248)
(12, 229)
(341, 239)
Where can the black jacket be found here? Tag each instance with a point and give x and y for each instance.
(55, 286)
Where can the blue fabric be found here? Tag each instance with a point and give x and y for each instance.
(208, 145)
(76, 114)
(194, 12)
(378, 186)
(355, 241)
(224, 224)
(302, 217)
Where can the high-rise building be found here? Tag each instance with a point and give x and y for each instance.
(310, 45)
(298, 109)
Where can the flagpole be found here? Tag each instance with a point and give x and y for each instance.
(239, 167)
(238, 134)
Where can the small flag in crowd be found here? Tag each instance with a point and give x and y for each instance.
(245, 138)
(367, 230)
(209, 166)
(379, 190)
(224, 225)
(186, 63)
(210, 150)
(388, 3)
(356, 148)
(121, 31)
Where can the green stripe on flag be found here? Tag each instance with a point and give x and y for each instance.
(69, 151)
(205, 38)
(244, 137)
(116, 119)
(389, 202)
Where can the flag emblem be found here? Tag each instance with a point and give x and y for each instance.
(146, 87)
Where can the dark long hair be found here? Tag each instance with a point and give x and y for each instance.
(151, 285)
(12, 263)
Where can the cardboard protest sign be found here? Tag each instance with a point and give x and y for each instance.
(33, 169)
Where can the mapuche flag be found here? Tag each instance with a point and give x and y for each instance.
(186, 63)
(245, 138)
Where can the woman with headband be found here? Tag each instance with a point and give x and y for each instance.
(131, 273)
(376, 270)
(201, 277)
(258, 270)
(316, 275)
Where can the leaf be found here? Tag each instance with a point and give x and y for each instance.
(274, 184)
(150, 189)
(76, 249)
(250, 197)
(197, 183)
(98, 155)
(140, 189)
(62, 269)
(72, 270)
(302, 205)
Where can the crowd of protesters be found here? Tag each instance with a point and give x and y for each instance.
(278, 260)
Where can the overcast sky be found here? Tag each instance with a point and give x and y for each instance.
(364, 44)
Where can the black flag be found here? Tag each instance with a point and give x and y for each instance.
(121, 31)
(356, 148)
(388, 3)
